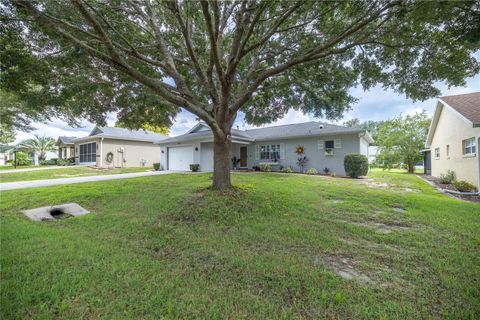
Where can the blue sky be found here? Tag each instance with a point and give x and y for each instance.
(375, 104)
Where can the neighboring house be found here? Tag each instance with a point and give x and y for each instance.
(118, 147)
(66, 147)
(454, 137)
(325, 146)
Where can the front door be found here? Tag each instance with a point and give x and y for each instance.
(243, 156)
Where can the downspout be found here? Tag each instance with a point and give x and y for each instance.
(478, 161)
(101, 152)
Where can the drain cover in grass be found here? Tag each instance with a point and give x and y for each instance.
(55, 212)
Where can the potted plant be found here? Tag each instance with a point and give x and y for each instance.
(235, 162)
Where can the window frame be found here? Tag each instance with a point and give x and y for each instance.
(437, 153)
(472, 146)
(270, 151)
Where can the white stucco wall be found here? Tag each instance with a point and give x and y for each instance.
(452, 130)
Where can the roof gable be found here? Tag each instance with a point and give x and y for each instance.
(467, 105)
(125, 134)
(201, 126)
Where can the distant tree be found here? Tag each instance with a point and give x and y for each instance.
(157, 129)
(39, 145)
(369, 125)
(147, 59)
(401, 139)
(7, 134)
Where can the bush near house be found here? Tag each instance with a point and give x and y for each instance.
(464, 186)
(156, 166)
(22, 159)
(312, 171)
(266, 167)
(287, 169)
(194, 167)
(356, 165)
(50, 162)
(448, 178)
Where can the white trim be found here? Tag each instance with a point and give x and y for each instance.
(461, 116)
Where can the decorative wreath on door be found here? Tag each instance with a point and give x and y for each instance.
(109, 157)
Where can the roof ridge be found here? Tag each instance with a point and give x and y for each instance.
(460, 94)
(284, 125)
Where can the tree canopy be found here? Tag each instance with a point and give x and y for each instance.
(40, 145)
(369, 125)
(147, 59)
(401, 139)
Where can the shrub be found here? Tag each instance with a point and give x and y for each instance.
(266, 167)
(51, 162)
(356, 165)
(312, 171)
(156, 166)
(22, 159)
(326, 170)
(333, 174)
(287, 169)
(194, 167)
(448, 178)
(464, 186)
(62, 162)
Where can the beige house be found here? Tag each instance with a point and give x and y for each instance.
(66, 147)
(117, 147)
(454, 137)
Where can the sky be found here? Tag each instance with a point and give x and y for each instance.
(374, 104)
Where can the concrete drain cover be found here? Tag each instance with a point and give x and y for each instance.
(56, 212)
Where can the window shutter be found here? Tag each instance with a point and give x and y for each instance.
(321, 143)
(337, 143)
(257, 152)
(282, 151)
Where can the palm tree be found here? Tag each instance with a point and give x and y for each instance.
(39, 145)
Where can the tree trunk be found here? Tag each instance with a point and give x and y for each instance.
(221, 161)
(411, 167)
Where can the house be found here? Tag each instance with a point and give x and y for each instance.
(325, 146)
(454, 136)
(117, 147)
(66, 147)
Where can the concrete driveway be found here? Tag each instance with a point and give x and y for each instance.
(56, 182)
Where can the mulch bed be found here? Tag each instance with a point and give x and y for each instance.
(436, 182)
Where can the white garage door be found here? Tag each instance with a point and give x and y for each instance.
(180, 158)
(206, 157)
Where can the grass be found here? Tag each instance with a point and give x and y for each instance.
(65, 172)
(11, 167)
(277, 248)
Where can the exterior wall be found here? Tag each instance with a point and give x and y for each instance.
(452, 130)
(193, 144)
(135, 153)
(316, 158)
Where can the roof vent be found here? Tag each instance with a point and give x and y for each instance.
(321, 126)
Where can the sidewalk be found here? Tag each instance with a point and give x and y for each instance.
(56, 182)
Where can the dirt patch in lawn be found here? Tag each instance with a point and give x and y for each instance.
(384, 228)
(382, 185)
(344, 266)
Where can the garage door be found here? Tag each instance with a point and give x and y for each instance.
(180, 158)
(206, 157)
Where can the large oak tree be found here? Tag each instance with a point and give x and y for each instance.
(146, 59)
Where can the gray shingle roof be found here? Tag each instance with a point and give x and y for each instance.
(66, 140)
(125, 134)
(299, 130)
(277, 132)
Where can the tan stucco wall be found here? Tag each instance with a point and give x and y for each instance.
(134, 153)
(452, 130)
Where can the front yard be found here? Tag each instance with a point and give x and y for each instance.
(65, 172)
(282, 246)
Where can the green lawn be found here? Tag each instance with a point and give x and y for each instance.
(65, 172)
(10, 167)
(168, 247)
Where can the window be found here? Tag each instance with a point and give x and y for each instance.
(448, 151)
(88, 152)
(329, 145)
(270, 152)
(437, 153)
(469, 147)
